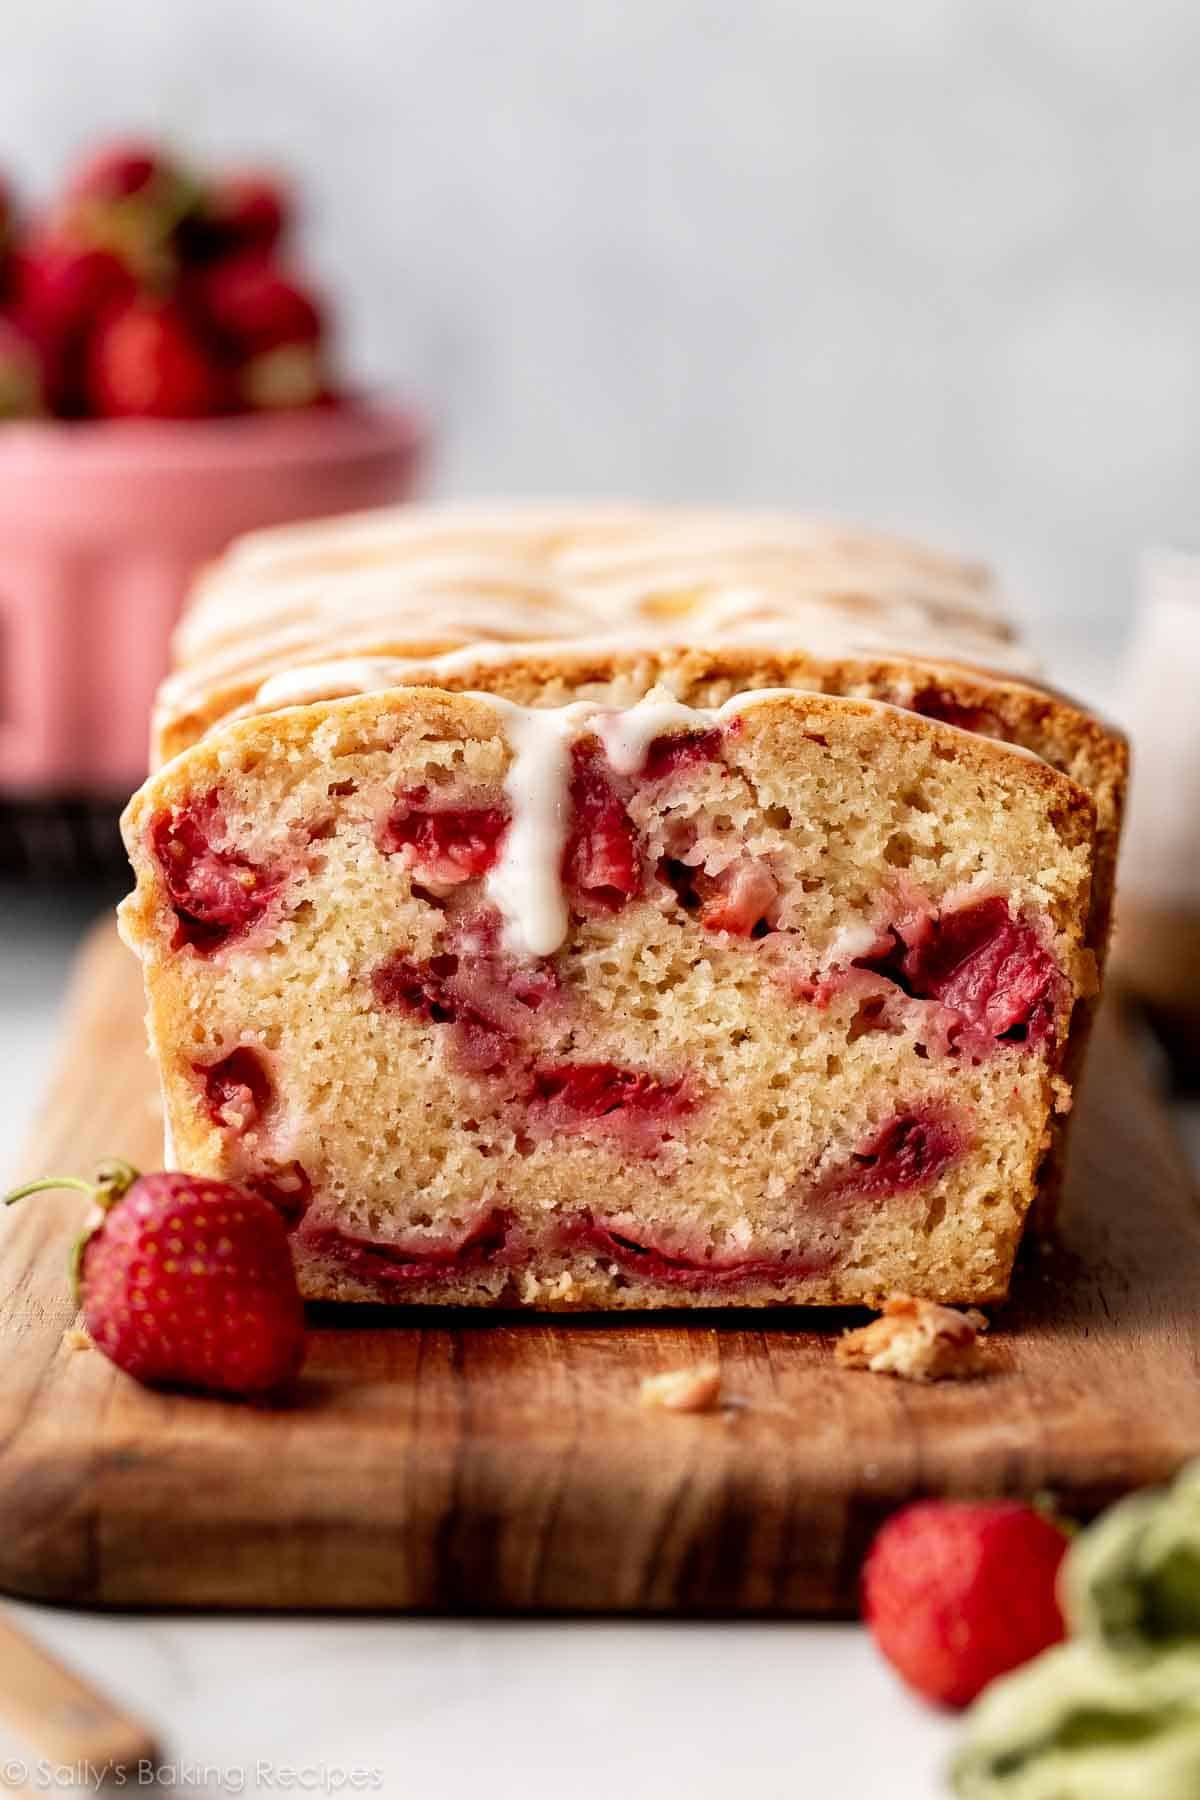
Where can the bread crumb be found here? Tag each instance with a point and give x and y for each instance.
(77, 1339)
(917, 1341)
(684, 1390)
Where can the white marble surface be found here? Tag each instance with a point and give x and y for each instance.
(552, 1711)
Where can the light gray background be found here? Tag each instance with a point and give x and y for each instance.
(931, 262)
(927, 261)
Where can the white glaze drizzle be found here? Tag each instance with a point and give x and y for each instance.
(337, 677)
(525, 884)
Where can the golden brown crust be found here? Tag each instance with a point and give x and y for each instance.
(376, 718)
(273, 752)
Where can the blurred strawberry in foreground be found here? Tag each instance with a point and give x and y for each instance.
(958, 1592)
(146, 291)
(186, 1282)
(147, 362)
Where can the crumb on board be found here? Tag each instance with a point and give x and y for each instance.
(77, 1339)
(684, 1390)
(916, 1340)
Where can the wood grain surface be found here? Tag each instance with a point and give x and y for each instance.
(442, 1461)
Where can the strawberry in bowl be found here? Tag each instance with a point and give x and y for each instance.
(168, 380)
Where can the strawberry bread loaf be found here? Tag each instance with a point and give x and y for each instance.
(621, 968)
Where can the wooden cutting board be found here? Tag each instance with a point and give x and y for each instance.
(449, 1462)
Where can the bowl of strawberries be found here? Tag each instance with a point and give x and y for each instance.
(167, 381)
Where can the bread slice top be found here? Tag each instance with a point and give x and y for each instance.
(258, 765)
(415, 583)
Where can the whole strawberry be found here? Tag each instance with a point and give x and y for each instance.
(129, 197)
(253, 305)
(271, 328)
(60, 291)
(187, 1282)
(242, 210)
(959, 1592)
(146, 361)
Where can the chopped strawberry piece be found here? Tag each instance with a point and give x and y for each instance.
(288, 1186)
(988, 967)
(601, 863)
(417, 987)
(597, 1090)
(939, 703)
(685, 750)
(443, 845)
(237, 1090)
(657, 1263)
(217, 894)
(632, 1105)
(399, 1263)
(912, 1150)
(739, 900)
(487, 997)
(993, 969)
(742, 897)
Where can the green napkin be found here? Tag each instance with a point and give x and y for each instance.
(1080, 1723)
(1115, 1713)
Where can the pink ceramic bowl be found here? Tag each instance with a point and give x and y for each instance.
(103, 525)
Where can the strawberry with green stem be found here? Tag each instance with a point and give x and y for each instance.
(186, 1281)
